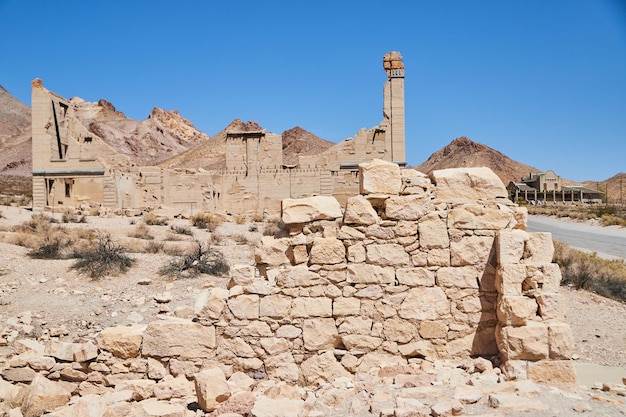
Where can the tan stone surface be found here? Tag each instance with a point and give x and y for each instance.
(121, 341)
(304, 210)
(164, 339)
(468, 184)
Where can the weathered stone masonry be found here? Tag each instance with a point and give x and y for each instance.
(413, 268)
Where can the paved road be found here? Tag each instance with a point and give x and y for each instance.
(608, 242)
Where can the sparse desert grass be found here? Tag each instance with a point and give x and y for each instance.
(240, 239)
(257, 218)
(240, 219)
(217, 239)
(607, 215)
(102, 257)
(72, 217)
(181, 230)
(202, 260)
(588, 271)
(273, 227)
(208, 221)
(152, 219)
(141, 231)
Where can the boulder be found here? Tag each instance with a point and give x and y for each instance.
(43, 395)
(304, 210)
(163, 339)
(468, 184)
(211, 388)
(359, 211)
(323, 368)
(380, 177)
(122, 341)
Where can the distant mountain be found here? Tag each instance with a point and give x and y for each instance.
(462, 152)
(147, 142)
(15, 136)
(614, 187)
(299, 142)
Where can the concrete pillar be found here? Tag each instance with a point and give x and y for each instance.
(393, 107)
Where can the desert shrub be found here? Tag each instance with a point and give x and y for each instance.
(202, 260)
(209, 221)
(612, 220)
(181, 230)
(173, 237)
(141, 231)
(273, 228)
(257, 218)
(154, 246)
(102, 257)
(152, 219)
(240, 239)
(240, 219)
(588, 271)
(216, 239)
(71, 217)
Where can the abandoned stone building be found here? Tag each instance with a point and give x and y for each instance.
(73, 166)
(542, 187)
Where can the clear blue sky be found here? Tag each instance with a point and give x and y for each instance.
(542, 81)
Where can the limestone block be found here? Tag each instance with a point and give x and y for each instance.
(387, 255)
(468, 183)
(327, 251)
(528, 342)
(85, 352)
(211, 303)
(156, 408)
(320, 334)
(323, 368)
(122, 341)
(551, 306)
(433, 329)
(235, 347)
(244, 306)
(542, 278)
(420, 348)
(433, 232)
(21, 374)
(8, 391)
(406, 228)
(480, 217)
(163, 339)
(61, 350)
(379, 177)
(257, 329)
(360, 342)
(141, 389)
(43, 395)
(298, 255)
(350, 233)
(429, 303)
(41, 363)
(416, 277)
(272, 252)
(509, 278)
(372, 292)
(521, 218)
(279, 407)
(359, 211)
(561, 341)
(156, 370)
(552, 372)
(471, 250)
(437, 257)
(170, 387)
(298, 276)
(415, 182)
(288, 331)
(356, 253)
(312, 307)
(516, 310)
(370, 274)
(355, 325)
(459, 277)
(539, 248)
(346, 306)
(282, 367)
(211, 388)
(275, 306)
(305, 210)
(510, 246)
(241, 275)
(408, 207)
(274, 345)
(399, 330)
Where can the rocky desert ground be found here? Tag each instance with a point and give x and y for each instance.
(44, 301)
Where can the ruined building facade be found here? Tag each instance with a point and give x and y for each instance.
(73, 166)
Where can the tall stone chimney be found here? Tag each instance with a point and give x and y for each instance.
(393, 108)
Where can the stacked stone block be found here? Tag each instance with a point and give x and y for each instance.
(532, 337)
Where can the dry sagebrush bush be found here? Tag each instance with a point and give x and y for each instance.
(103, 257)
(588, 271)
(152, 219)
(141, 231)
(208, 221)
(203, 259)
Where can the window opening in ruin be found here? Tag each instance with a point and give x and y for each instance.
(68, 188)
(88, 139)
(61, 147)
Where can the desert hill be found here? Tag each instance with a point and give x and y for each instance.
(462, 152)
(147, 142)
(614, 187)
(15, 136)
(299, 142)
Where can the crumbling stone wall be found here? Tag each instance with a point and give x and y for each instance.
(413, 268)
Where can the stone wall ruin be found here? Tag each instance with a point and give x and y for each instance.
(413, 270)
